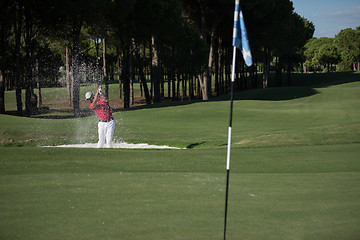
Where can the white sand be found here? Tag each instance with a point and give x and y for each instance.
(116, 145)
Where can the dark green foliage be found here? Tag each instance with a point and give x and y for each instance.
(192, 41)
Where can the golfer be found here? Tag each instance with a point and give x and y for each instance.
(100, 105)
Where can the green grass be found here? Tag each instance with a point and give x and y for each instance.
(295, 170)
(275, 193)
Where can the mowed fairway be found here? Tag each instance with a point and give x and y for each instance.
(295, 171)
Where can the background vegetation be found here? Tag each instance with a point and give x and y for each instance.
(175, 49)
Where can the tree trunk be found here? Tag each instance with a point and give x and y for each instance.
(240, 82)
(168, 82)
(191, 93)
(76, 67)
(67, 76)
(205, 78)
(198, 89)
(227, 71)
(155, 71)
(97, 71)
(216, 61)
(132, 76)
(278, 71)
(254, 76)
(120, 75)
(266, 68)
(183, 87)
(125, 75)
(173, 81)
(142, 73)
(38, 85)
(30, 97)
(177, 76)
(2, 71)
(72, 79)
(2, 90)
(221, 72)
(161, 74)
(17, 26)
(289, 70)
(104, 69)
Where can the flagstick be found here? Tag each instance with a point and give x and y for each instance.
(229, 139)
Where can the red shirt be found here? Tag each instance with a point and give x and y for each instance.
(103, 110)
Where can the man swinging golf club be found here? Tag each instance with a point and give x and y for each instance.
(100, 105)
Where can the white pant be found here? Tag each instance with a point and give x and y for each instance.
(106, 131)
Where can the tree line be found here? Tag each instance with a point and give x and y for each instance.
(176, 49)
(341, 53)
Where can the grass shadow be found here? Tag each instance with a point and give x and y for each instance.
(193, 145)
(47, 113)
(276, 94)
(320, 80)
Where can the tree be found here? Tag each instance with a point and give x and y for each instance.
(5, 29)
(328, 54)
(311, 51)
(268, 25)
(181, 44)
(18, 22)
(141, 72)
(206, 16)
(67, 18)
(348, 43)
(300, 31)
(158, 25)
(32, 27)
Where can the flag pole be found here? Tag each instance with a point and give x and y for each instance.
(240, 40)
(229, 140)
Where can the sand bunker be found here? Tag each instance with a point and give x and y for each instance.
(117, 145)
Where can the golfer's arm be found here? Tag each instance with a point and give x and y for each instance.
(96, 97)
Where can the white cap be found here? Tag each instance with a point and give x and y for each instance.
(88, 95)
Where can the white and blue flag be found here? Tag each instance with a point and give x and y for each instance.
(240, 38)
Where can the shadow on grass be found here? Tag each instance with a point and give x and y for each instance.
(46, 113)
(269, 94)
(193, 145)
(303, 85)
(321, 80)
(277, 94)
